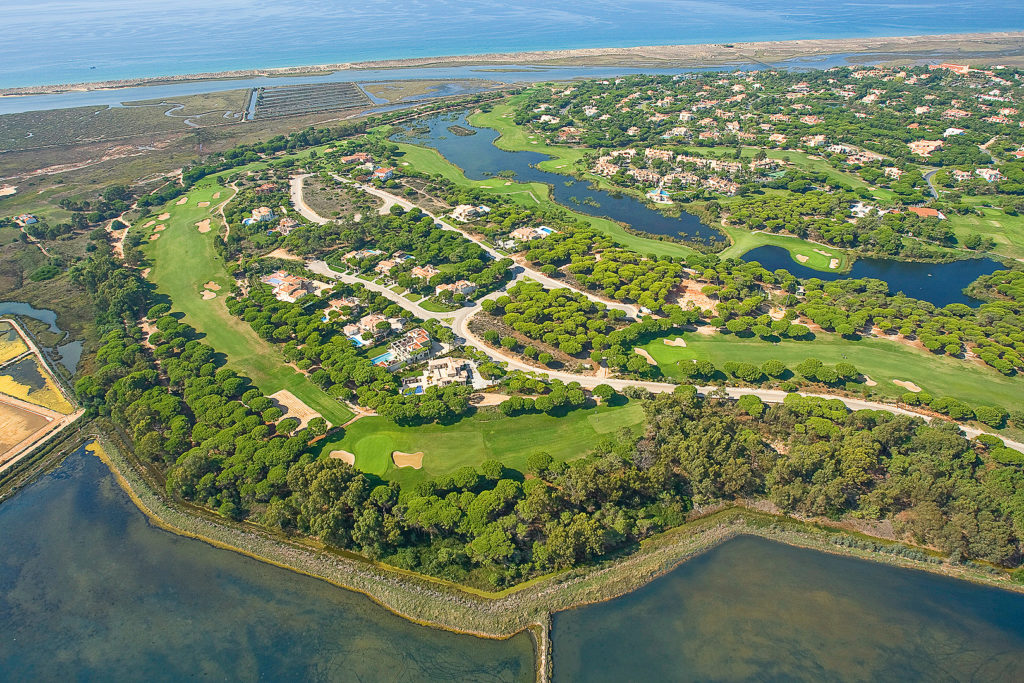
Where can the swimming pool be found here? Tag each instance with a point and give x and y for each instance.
(383, 359)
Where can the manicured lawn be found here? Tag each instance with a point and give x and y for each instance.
(486, 435)
(183, 261)
(744, 240)
(435, 307)
(516, 139)
(428, 160)
(882, 360)
(1005, 230)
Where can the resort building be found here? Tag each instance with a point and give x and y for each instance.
(465, 212)
(287, 287)
(25, 219)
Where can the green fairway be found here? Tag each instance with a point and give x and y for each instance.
(880, 359)
(743, 241)
(518, 139)
(1005, 230)
(428, 160)
(486, 435)
(184, 260)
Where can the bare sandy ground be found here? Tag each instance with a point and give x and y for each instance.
(413, 460)
(344, 456)
(481, 400)
(938, 48)
(909, 386)
(292, 406)
(204, 225)
(707, 330)
(283, 254)
(689, 292)
(646, 356)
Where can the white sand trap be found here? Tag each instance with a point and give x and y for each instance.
(678, 341)
(207, 295)
(344, 456)
(802, 258)
(646, 356)
(212, 285)
(145, 272)
(909, 386)
(833, 264)
(293, 407)
(149, 224)
(405, 163)
(160, 228)
(823, 253)
(204, 225)
(183, 200)
(870, 382)
(203, 205)
(154, 237)
(216, 195)
(413, 460)
(163, 216)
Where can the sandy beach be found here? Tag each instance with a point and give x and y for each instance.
(1008, 46)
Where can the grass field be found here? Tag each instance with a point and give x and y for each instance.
(880, 359)
(183, 260)
(486, 435)
(1005, 230)
(743, 241)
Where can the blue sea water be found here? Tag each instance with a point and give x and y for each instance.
(64, 41)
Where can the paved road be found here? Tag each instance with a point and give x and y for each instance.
(460, 325)
(299, 202)
(928, 177)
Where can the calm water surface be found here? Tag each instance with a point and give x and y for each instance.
(62, 41)
(939, 283)
(90, 591)
(758, 610)
(479, 158)
(68, 354)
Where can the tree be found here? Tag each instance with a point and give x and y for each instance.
(751, 405)
(773, 368)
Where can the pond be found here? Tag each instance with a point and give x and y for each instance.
(479, 159)
(89, 590)
(69, 353)
(753, 609)
(938, 283)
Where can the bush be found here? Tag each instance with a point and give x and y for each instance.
(1008, 456)
(47, 272)
(992, 416)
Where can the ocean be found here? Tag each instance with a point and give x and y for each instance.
(65, 41)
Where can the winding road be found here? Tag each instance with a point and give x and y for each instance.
(459, 321)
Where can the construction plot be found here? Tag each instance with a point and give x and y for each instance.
(293, 100)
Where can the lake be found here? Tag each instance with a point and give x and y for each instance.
(753, 609)
(939, 283)
(479, 158)
(89, 590)
(54, 41)
(67, 354)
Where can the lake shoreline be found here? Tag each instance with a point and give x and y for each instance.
(440, 604)
(764, 53)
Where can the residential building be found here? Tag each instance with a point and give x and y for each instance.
(424, 272)
(924, 148)
(357, 158)
(989, 174)
(444, 372)
(412, 346)
(384, 173)
(950, 132)
(464, 287)
(961, 176)
(288, 287)
(893, 172)
(465, 212)
(926, 212)
(286, 225)
(263, 214)
(25, 219)
(645, 175)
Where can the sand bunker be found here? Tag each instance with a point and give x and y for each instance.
(909, 386)
(870, 382)
(163, 216)
(149, 224)
(291, 406)
(344, 456)
(154, 237)
(413, 460)
(802, 258)
(678, 341)
(216, 195)
(207, 295)
(145, 272)
(183, 200)
(203, 205)
(204, 225)
(159, 228)
(833, 264)
(646, 356)
(823, 253)
(212, 285)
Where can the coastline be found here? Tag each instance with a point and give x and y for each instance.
(437, 603)
(765, 53)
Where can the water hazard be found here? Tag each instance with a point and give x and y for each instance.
(90, 591)
(479, 159)
(758, 610)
